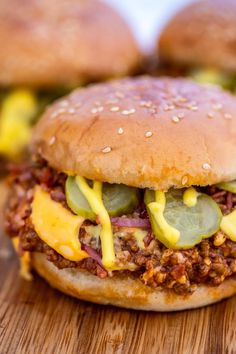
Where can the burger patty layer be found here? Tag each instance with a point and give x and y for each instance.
(210, 262)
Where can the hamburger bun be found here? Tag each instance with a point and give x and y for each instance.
(126, 291)
(143, 132)
(202, 34)
(63, 43)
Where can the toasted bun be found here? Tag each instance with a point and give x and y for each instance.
(203, 34)
(126, 291)
(144, 132)
(63, 42)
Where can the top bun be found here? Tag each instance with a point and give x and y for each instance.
(203, 34)
(63, 42)
(144, 132)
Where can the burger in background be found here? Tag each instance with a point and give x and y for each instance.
(129, 196)
(49, 47)
(200, 42)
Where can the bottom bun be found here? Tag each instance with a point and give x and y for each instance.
(126, 291)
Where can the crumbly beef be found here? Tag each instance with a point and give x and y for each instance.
(210, 262)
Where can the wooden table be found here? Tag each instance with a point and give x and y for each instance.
(36, 319)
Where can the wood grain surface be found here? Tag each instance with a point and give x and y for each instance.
(37, 319)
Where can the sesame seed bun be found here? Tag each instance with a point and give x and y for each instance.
(126, 291)
(63, 42)
(145, 132)
(202, 34)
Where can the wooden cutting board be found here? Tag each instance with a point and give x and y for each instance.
(37, 319)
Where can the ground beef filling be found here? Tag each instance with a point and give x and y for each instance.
(209, 263)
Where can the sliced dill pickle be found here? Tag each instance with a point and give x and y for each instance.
(118, 199)
(193, 223)
(76, 200)
(228, 186)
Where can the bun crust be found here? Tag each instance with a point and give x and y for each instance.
(63, 42)
(126, 291)
(202, 34)
(143, 132)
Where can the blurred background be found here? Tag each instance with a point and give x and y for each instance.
(147, 18)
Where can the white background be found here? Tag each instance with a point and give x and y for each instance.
(147, 17)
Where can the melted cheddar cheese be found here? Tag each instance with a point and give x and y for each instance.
(57, 226)
(19, 107)
(228, 225)
(25, 264)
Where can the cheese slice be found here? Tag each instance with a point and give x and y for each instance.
(18, 109)
(57, 226)
(25, 262)
(228, 225)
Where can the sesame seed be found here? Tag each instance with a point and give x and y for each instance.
(114, 109)
(127, 112)
(166, 108)
(54, 115)
(51, 141)
(120, 131)
(148, 134)
(71, 110)
(228, 116)
(64, 103)
(184, 180)
(210, 115)
(57, 113)
(193, 108)
(206, 166)
(94, 110)
(175, 119)
(180, 99)
(147, 104)
(217, 106)
(100, 109)
(152, 110)
(106, 149)
(180, 115)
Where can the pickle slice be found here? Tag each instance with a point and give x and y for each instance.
(193, 223)
(227, 186)
(118, 199)
(76, 200)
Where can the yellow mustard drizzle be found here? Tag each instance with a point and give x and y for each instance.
(208, 76)
(228, 225)
(18, 109)
(25, 263)
(157, 209)
(94, 198)
(57, 226)
(190, 197)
